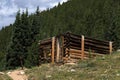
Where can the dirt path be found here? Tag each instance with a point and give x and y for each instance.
(17, 75)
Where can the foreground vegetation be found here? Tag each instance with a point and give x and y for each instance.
(98, 19)
(4, 77)
(100, 68)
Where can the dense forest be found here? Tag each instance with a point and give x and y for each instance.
(99, 19)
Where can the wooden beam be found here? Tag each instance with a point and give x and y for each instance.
(82, 47)
(45, 55)
(110, 47)
(53, 49)
(62, 49)
(58, 50)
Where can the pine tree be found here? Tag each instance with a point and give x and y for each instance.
(33, 50)
(13, 53)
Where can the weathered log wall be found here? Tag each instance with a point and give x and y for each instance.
(73, 47)
(80, 47)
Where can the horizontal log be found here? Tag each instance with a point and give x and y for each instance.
(72, 60)
(72, 44)
(97, 41)
(77, 54)
(72, 40)
(71, 34)
(93, 50)
(73, 50)
(47, 41)
(75, 37)
(72, 37)
(87, 46)
(96, 54)
(78, 43)
(48, 45)
(96, 46)
(87, 54)
(77, 57)
(87, 49)
(72, 47)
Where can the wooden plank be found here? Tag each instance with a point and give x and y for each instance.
(110, 46)
(77, 57)
(97, 45)
(73, 51)
(45, 55)
(95, 48)
(102, 41)
(53, 49)
(76, 54)
(43, 42)
(97, 42)
(97, 54)
(87, 48)
(58, 50)
(62, 50)
(82, 47)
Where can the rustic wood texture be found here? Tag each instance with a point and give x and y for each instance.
(72, 47)
(58, 50)
(110, 46)
(53, 49)
(82, 47)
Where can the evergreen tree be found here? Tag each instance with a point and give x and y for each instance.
(13, 54)
(33, 50)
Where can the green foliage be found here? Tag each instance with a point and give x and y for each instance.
(23, 36)
(33, 55)
(98, 19)
(94, 69)
(5, 77)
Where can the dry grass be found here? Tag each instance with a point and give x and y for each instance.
(4, 77)
(100, 68)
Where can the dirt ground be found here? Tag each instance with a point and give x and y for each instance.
(17, 75)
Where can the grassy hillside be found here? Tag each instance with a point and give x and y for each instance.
(100, 68)
(98, 19)
(4, 77)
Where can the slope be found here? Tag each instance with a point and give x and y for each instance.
(99, 68)
(94, 18)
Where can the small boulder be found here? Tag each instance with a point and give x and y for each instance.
(118, 74)
(1, 73)
(22, 72)
(9, 73)
(72, 70)
(48, 76)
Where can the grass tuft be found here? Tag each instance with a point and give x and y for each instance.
(100, 68)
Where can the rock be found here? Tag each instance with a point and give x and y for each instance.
(48, 76)
(72, 70)
(8, 72)
(71, 63)
(22, 72)
(118, 50)
(1, 73)
(118, 74)
(103, 58)
(105, 71)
